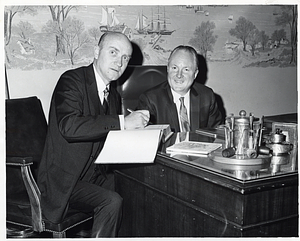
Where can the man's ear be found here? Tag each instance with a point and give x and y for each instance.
(196, 73)
(96, 52)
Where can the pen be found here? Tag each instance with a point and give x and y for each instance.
(130, 110)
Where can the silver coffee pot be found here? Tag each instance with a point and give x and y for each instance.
(242, 135)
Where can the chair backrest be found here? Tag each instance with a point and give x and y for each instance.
(26, 129)
(136, 80)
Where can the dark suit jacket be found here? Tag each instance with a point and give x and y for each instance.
(77, 128)
(204, 111)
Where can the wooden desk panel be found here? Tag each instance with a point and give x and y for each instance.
(173, 199)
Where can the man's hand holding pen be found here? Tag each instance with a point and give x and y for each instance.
(137, 119)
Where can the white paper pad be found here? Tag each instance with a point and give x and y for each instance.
(130, 146)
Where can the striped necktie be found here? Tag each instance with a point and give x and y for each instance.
(105, 100)
(183, 116)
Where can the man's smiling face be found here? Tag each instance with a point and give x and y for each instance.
(182, 70)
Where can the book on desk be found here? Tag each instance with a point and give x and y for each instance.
(193, 148)
(133, 146)
(218, 132)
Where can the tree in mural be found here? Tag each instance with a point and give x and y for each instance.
(25, 30)
(58, 13)
(74, 36)
(289, 16)
(277, 36)
(204, 38)
(242, 30)
(263, 39)
(9, 13)
(95, 33)
(254, 38)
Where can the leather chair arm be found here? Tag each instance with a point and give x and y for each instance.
(31, 186)
(19, 161)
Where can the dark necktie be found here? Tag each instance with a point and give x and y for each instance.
(105, 100)
(183, 116)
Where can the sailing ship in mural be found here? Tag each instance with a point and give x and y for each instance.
(230, 18)
(159, 25)
(110, 23)
(141, 24)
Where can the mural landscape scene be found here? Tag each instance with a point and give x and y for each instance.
(55, 37)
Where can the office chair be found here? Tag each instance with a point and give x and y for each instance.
(26, 129)
(136, 80)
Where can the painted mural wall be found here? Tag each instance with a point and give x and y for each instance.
(250, 50)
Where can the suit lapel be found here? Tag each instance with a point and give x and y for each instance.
(113, 100)
(195, 109)
(92, 91)
(171, 108)
(94, 103)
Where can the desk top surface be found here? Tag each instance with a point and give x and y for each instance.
(240, 170)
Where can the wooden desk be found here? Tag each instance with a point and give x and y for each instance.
(194, 197)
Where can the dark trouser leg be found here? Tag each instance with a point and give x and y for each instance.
(106, 205)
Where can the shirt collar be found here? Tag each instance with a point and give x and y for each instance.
(100, 83)
(176, 96)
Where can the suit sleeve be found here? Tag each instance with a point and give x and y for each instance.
(145, 104)
(215, 116)
(74, 119)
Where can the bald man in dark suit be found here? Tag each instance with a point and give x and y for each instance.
(85, 106)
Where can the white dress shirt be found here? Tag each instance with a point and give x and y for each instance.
(101, 87)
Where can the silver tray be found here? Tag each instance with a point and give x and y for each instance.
(261, 159)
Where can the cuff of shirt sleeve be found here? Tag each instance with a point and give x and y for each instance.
(121, 118)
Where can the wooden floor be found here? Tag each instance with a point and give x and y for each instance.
(14, 231)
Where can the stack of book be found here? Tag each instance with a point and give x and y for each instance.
(218, 132)
(193, 148)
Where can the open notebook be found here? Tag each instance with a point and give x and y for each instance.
(165, 128)
(131, 146)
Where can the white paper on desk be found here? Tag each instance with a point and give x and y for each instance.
(130, 146)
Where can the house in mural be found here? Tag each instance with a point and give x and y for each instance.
(275, 44)
(110, 23)
(231, 47)
(199, 9)
(26, 47)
